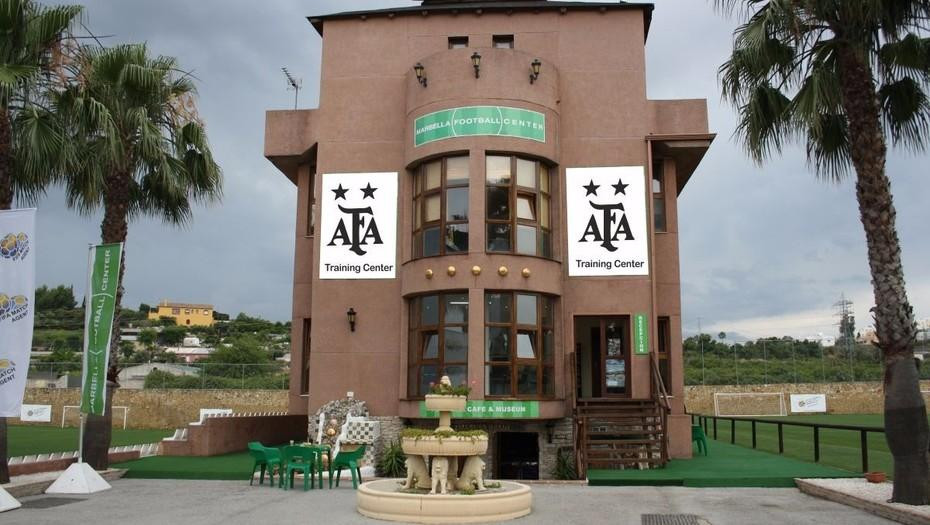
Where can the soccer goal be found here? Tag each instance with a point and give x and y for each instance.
(77, 412)
(750, 404)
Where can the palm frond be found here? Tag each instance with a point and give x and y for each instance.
(905, 112)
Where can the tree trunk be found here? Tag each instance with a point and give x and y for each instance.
(113, 229)
(6, 160)
(6, 202)
(906, 428)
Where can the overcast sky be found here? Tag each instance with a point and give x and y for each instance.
(764, 251)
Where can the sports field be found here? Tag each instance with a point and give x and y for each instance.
(838, 448)
(25, 440)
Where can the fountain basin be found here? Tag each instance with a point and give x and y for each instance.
(445, 403)
(381, 499)
(445, 446)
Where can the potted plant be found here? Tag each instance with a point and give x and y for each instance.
(875, 477)
(444, 397)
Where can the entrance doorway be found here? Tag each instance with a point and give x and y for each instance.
(602, 346)
(517, 455)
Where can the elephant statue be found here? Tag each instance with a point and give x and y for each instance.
(472, 474)
(417, 473)
(440, 474)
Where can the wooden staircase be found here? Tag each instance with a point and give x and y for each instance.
(620, 433)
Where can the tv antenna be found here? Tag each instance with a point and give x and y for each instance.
(294, 84)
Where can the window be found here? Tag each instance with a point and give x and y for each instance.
(658, 195)
(305, 359)
(438, 342)
(176, 311)
(518, 200)
(502, 41)
(664, 343)
(440, 204)
(519, 345)
(458, 42)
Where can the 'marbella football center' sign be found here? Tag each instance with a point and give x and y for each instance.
(358, 226)
(469, 121)
(607, 225)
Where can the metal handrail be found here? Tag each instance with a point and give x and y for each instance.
(862, 429)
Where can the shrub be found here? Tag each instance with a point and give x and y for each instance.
(393, 462)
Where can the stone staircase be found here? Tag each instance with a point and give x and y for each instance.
(621, 433)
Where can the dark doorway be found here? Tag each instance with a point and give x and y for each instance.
(603, 355)
(517, 455)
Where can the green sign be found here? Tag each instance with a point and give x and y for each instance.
(479, 120)
(98, 324)
(640, 334)
(481, 409)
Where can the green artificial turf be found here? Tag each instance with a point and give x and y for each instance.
(725, 465)
(235, 466)
(838, 448)
(24, 440)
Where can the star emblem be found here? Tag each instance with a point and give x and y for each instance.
(619, 187)
(591, 188)
(340, 192)
(369, 191)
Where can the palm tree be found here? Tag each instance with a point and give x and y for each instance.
(28, 34)
(136, 149)
(846, 77)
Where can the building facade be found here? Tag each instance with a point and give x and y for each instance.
(184, 314)
(486, 192)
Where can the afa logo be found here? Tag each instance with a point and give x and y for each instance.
(14, 246)
(15, 307)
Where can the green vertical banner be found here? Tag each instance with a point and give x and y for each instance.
(640, 334)
(99, 307)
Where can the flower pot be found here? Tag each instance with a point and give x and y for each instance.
(445, 403)
(875, 477)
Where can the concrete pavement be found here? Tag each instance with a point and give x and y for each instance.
(135, 501)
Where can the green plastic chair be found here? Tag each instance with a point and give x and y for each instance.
(303, 459)
(698, 436)
(320, 450)
(350, 461)
(265, 458)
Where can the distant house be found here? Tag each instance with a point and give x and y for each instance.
(184, 314)
(134, 376)
(190, 354)
(824, 340)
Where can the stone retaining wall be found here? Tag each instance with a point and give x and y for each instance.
(842, 398)
(170, 408)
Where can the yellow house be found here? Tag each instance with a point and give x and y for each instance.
(184, 314)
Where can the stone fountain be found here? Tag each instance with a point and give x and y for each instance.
(435, 491)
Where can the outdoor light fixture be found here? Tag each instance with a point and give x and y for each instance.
(418, 69)
(476, 61)
(351, 315)
(535, 70)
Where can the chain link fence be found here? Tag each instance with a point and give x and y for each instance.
(773, 361)
(191, 376)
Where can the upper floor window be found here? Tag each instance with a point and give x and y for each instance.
(440, 204)
(518, 206)
(658, 196)
(458, 42)
(438, 343)
(519, 345)
(503, 41)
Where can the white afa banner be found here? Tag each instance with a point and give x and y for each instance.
(808, 403)
(358, 226)
(607, 221)
(17, 291)
(36, 413)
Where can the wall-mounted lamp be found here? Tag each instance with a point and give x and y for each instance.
(476, 61)
(351, 315)
(534, 72)
(421, 78)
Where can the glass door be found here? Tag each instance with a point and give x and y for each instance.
(615, 342)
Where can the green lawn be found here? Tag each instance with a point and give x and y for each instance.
(235, 466)
(25, 440)
(838, 448)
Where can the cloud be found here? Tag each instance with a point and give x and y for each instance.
(763, 249)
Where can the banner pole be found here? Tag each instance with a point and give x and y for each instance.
(81, 439)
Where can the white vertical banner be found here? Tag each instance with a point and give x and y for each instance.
(17, 299)
(358, 226)
(607, 221)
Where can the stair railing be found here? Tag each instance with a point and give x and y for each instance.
(660, 396)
